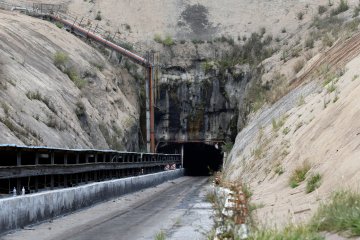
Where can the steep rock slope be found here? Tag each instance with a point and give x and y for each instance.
(316, 125)
(85, 102)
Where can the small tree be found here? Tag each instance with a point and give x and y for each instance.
(98, 16)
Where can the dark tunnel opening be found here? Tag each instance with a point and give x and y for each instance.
(200, 159)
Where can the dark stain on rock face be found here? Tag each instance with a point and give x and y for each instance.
(196, 17)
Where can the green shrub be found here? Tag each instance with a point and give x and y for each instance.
(279, 123)
(98, 16)
(60, 59)
(157, 38)
(299, 174)
(6, 108)
(34, 95)
(298, 66)
(74, 76)
(207, 66)
(80, 110)
(279, 169)
(301, 101)
(262, 31)
(168, 41)
(286, 130)
(298, 126)
(340, 214)
(126, 45)
(245, 188)
(322, 9)
(331, 88)
(327, 40)
(52, 122)
(99, 65)
(227, 147)
(300, 15)
(59, 25)
(309, 42)
(313, 183)
(342, 7)
(356, 11)
(160, 236)
(197, 41)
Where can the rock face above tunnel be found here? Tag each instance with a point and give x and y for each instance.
(194, 102)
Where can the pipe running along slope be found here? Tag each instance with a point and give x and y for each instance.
(132, 56)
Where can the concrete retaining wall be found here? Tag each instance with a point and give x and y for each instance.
(20, 211)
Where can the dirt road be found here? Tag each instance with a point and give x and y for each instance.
(177, 208)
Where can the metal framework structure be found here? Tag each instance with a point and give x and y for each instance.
(30, 166)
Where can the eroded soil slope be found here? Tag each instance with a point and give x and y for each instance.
(84, 102)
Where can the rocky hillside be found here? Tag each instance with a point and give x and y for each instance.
(295, 153)
(210, 53)
(57, 91)
(193, 19)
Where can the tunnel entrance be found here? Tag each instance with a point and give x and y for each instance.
(200, 159)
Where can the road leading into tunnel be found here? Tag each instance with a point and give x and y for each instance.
(178, 208)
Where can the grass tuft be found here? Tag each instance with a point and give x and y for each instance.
(279, 123)
(279, 169)
(60, 59)
(160, 236)
(313, 183)
(342, 7)
(341, 214)
(289, 233)
(299, 174)
(322, 9)
(298, 66)
(168, 41)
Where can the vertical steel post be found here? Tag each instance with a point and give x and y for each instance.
(152, 115)
(147, 90)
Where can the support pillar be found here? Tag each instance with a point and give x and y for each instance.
(36, 183)
(18, 159)
(52, 182)
(182, 155)
(52, 158)
(65, 181)
(18, 186)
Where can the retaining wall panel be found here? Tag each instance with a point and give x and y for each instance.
(17, 212)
